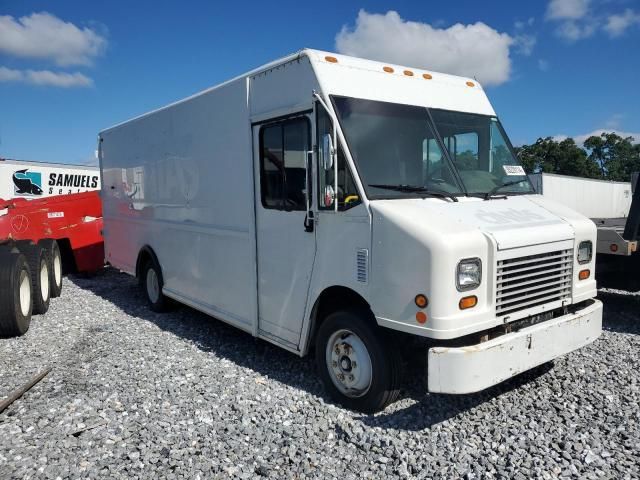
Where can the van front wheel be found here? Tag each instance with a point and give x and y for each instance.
(359, 368)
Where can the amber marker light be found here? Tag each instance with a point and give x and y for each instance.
(471, 84)
(584, 274)
(421, 301)
(408, 73)
(387, 69)
(331, 59)
(427, 76)
(468, 302)
(421, 317)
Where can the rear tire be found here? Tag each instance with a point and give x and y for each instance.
(152, 282)
(360, 367)
(55, 266)
(38, 260)
(16, 301)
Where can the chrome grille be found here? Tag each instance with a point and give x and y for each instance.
(526, 282)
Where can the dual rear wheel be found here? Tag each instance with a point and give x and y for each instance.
(30, 275)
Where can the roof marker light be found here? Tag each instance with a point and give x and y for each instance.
(427, 76)
(387, 69)
(408, 73)
(331, 59)
(471, 84)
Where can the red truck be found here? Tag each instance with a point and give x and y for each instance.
(39, 241)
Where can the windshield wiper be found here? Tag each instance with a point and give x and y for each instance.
(494, 190)
(417, 189)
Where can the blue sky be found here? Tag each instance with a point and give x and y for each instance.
(69, 69)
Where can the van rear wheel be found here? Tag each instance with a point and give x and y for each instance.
(152, 283)
(359, 368)
(15, 294)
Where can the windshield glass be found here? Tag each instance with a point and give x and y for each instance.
(434, 150)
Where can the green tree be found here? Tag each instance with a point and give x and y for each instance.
(562, 157)
(616, 157)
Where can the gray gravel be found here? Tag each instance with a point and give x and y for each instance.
(182, 395)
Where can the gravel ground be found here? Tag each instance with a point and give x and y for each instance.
(182, 395)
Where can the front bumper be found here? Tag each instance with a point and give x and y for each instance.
(476, 367)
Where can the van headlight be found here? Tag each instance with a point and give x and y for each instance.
(585, 251)
(469, 274)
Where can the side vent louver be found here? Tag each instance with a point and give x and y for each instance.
(362, 265)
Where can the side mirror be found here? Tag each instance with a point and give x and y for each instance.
(327, 152)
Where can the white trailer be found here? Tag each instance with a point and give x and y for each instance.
(25, 179)
(335, 204)
(613, 207)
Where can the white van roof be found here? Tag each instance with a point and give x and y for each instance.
(344, 75)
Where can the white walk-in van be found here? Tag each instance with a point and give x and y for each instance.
(338, 205)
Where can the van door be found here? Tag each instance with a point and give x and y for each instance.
(286, 249)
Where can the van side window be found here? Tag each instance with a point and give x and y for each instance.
(283, 148)
(348, 196)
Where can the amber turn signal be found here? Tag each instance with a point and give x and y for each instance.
(468, 302)
(584, 274)
(421, 301)
(421, 317)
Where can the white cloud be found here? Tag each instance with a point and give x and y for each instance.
(574, 31)
(596, 133)
(45, 78)
(524, 43)
(520, 24)
(575, 19)
(579, 139)
(474, 50)
(45, 36)
(567, 9)
(617, 24)
(9, 75)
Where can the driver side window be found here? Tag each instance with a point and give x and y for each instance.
(283, 148)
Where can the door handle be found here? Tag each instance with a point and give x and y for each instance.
(308, 221)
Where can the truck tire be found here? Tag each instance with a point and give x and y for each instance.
(152, 283)
(15, 294)
(359, 367)
(55, 266)
(38, 260)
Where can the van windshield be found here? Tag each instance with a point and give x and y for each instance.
(408, 151)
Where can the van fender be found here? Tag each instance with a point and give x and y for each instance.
(330, 299)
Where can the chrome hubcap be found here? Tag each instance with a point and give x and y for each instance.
(349, 363)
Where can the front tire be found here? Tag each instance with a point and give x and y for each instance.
(152, 282)
(359, 368)
(16, 301)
